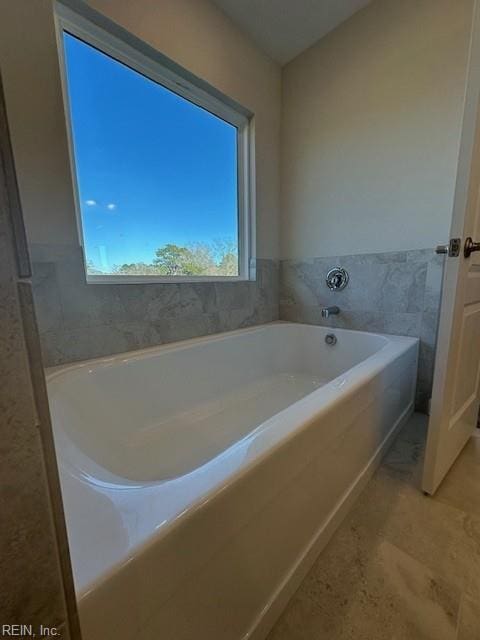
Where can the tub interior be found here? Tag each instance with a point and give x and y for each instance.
(162, 414)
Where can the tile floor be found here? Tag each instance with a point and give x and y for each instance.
(402, 566)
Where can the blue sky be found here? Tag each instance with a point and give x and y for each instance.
(152, 168)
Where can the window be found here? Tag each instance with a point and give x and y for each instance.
(160, 165)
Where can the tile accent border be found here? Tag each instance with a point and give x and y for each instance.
(395, 293)
(79, 321)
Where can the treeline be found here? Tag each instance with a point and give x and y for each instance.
(219, 258)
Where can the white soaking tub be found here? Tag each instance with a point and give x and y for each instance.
(200, 479)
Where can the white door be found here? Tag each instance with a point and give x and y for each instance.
(455, 398)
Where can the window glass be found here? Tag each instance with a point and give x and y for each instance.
(156, 174)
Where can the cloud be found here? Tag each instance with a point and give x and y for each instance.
(90, 203)
(111, 206)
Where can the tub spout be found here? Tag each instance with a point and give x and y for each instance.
(330, 311)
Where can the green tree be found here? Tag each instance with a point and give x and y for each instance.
(228, 265)
(92, 269)
(218, 258)
(173, 260)
(137, 269)
(227, 257)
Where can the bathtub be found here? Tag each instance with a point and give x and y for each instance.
(201, 479)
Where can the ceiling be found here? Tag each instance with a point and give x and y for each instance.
(285, 28)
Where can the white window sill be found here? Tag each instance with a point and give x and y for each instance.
(93, 279)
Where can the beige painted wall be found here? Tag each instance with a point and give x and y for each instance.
(370, 128)
(370, 134)
(29, 64)
(194, 34)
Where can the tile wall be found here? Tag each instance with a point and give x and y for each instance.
(396, 293)
(79, 321)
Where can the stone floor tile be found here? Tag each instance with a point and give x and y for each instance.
(469, 619)
(402, 566)
(367, 588)
(461, 487)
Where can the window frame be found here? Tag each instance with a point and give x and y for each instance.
(160, 69)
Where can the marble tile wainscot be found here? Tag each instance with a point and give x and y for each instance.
(396, 293)
(79, 321)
